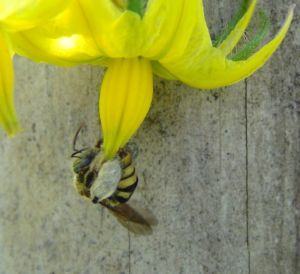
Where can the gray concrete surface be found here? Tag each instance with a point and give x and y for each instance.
(220, 170)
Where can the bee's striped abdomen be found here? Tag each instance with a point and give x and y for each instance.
(128, 182)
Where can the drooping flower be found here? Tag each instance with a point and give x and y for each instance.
(134, 39)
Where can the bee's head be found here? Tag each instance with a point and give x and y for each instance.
(83, 159)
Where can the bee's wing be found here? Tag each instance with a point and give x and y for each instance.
(133, 220)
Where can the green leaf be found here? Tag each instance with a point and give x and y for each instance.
(250, 47)
(232, 23)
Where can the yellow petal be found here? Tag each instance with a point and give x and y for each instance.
(118, 33)
(24, 14)
(8, 117)
(169, 26)
(65, 40)
(86, 31)
(236, 34)
(125, 99)
(160, 23)
(210, 68)
(162, 72)
(124, 37)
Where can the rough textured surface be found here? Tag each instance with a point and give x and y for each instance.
(219, 169)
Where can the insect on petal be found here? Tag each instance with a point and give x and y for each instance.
(125, 99)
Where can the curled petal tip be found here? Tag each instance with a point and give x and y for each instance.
(8, 117)
(13, 130)
(212, 69)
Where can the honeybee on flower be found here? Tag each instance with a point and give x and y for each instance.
(134, 39)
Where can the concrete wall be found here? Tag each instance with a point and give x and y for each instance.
(220, 170)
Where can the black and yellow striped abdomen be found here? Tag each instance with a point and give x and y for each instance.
(127, 184)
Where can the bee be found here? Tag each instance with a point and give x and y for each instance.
(111, 184)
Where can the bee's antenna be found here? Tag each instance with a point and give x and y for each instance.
(76, 137)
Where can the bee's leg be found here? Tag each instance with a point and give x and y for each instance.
(81, 188)
(99, 143)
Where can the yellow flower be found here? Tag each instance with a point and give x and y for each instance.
(169, 38)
